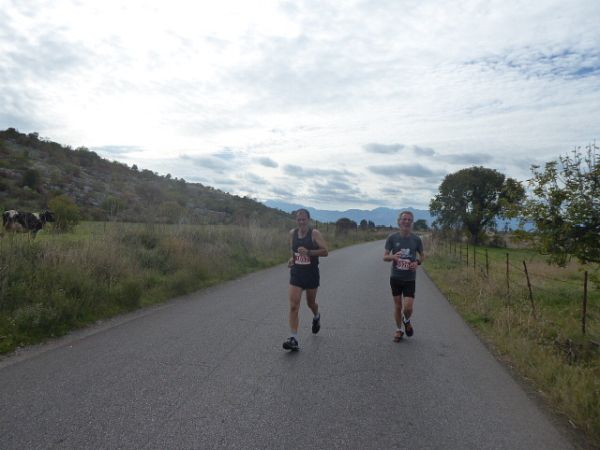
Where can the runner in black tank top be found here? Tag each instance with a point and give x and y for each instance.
(304, 272)
(307, 245)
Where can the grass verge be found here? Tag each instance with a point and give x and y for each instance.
(56, 283)
(537, 331)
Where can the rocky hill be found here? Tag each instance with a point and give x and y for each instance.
(33, 171)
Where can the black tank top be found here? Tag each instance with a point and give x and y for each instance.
(306, 242)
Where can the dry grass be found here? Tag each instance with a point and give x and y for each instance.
(55, 283)
(547, 347)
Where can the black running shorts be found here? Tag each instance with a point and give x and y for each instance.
(304, 278)
(402, 287)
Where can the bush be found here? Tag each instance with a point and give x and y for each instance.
(66, 212)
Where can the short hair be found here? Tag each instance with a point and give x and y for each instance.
(410, 213)
(305, 211)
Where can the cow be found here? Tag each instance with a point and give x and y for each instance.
(13, 220)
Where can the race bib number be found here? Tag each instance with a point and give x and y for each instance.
(301, 260)
(403, 264)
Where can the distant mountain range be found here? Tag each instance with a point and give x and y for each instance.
(379, 216)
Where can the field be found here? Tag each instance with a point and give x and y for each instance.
(59, 282)
(540, 320)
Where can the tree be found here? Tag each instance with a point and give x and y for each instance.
(112, 206)
(171, 212)
(364, 225)
(471, 199)
(344, 225)
(566, 206)
(66, 212)
(421, 225)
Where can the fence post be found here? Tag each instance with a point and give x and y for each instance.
(585, 297)
(474, 258)
(467, 254)
(507, 278)
(487, 263)
(530, 292)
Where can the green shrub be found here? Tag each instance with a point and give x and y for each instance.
(37, 320)
(66, 212)
(129, 294)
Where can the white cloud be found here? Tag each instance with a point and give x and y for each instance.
(338, 94)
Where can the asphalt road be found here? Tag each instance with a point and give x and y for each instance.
(208, 371)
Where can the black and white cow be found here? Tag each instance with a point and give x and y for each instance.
(13, 220)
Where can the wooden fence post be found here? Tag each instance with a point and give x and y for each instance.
(585, 297)
(467, 254)
(474, 258)
(487, 263)
(507, 278)
(530, 291)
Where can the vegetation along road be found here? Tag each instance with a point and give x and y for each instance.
(208, 371)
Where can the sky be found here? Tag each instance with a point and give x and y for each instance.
(328, 104)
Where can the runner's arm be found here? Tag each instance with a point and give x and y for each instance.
(320, 241)
(291, 238)
(387, 256)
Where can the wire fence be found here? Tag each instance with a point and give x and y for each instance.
(520, 273)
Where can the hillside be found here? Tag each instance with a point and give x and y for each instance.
(33, 171)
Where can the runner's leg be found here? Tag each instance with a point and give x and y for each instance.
(398, 310)
(408, 307)
(311, 300)
(295, 293)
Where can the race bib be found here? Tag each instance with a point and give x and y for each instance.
(301, 260)
(403, 264)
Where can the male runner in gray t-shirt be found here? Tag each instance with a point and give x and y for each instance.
(402, 248)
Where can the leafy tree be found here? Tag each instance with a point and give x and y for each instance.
(566, 206)
(171, 212)
(421, 225)
(112, 206)
(363, 224)
(471, 199)
(344, 225)
(66, 213)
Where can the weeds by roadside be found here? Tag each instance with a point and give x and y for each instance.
(56, 283)
(546, 346)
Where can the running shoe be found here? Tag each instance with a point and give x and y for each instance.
(408, 328)
(291, 344)
(398, 335)
(316, 324)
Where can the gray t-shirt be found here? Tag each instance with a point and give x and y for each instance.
(408, 246)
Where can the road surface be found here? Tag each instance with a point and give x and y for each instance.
(208, 371)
